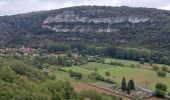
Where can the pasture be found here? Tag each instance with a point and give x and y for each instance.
(142, 76)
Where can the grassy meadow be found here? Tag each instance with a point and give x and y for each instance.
(142, 76)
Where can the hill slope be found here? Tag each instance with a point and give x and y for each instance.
(120, 26)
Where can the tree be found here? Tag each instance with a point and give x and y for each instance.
(45, 65)
(69, 90)
(161, 73)
(151, 62)
(107, 73)
(132, 84)
(164, 68)
(160, 89)
(129, 88)
(142, 61)
(165, 60)
(123, 84)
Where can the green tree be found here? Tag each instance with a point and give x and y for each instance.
(142, 61)
(123, 84)
(132, 84)
(151, 62)
(160, 89)
(69, 91)
(129, 88)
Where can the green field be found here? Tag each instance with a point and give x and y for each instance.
(142, 76)
(94, 65)
(136, 63)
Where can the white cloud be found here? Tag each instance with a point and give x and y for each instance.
(8, 7)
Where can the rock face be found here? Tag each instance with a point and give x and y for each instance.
(71, 21)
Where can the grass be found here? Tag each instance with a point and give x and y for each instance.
(136, 63)
(124, 62)
(109, 97)
(83, 71)
(60, 75)
(94, 65)
(142, 77)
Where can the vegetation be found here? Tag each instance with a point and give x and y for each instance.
(155, 68)
(160, 89)
(161, 73)
(92, 95)
(19, 81)
(75, 74)
(156, 49)
(127, 87)
(164, 68)
(94, 57)
(123, 84)
(142, 75)
(107, 73)
(142, 60)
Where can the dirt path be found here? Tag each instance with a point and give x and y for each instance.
(84, 86)
(154, 98)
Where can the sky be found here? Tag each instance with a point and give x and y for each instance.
(10, 7)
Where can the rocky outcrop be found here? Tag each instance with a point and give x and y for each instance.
(54, 22)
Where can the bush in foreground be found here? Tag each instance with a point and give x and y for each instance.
(160, 89)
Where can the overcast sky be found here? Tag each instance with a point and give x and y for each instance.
(9, 7)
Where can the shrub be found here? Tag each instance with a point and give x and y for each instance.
(108, 80)
(69, 71)
(90, 95)
(132, 65)
(27, 70)
(160, 89)
(160, 93)
(95, 75)
(107, 73)
(164, 68)
(60, 69)
(116, 63)
(161, 73)
(75, 75)
(155, 67)
(52, 76)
